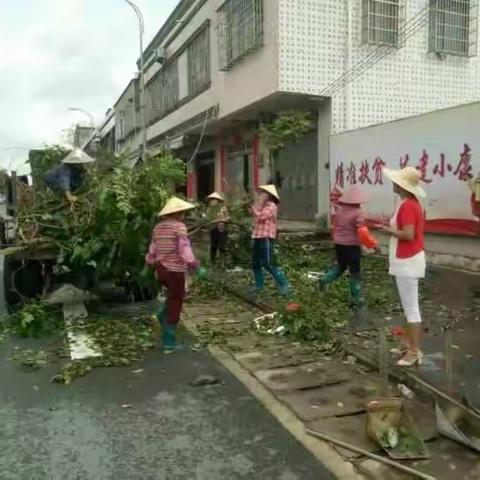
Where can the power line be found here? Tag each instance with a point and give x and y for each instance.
(411, 27)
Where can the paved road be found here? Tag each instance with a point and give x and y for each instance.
(172, 430)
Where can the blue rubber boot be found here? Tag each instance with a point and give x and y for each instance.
(259, 279)
(281, 281)
(170, 344)
(161, 315)
(332, 275)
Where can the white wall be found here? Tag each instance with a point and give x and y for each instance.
(313, 53)
(442, 135)
(447, 251)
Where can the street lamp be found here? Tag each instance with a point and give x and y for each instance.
(88, 114)
(141, 24)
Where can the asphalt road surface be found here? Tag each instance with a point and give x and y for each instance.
(119, 425)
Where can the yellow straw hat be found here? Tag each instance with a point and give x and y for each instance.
(408, 179)
(216, 196)
(271, 189)
(175, 205)
(474, 185)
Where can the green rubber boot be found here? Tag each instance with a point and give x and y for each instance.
(170, 344)
(332, 275)
(161, 315)
(356, 293)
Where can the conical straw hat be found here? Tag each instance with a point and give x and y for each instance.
(175, 205)
(353, 196)
(216, 196)
(78, 157)
(271, 189)
(408, 179)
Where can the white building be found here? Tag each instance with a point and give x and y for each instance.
(218, 68)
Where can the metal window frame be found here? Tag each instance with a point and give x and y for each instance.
(198, 62)
(163, 91)
(453, 27)
(240, 31)
(382, 22)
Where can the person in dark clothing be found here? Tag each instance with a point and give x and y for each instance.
(69, 175)
(217, 215)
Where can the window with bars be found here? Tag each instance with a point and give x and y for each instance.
(240, 30)
(198, 53)
(451, 27)
(381, 21)
(163, 92)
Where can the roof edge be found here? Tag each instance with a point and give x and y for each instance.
(182, 7)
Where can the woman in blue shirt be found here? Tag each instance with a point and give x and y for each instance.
(69, 175)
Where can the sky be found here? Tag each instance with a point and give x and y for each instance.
(58, 54)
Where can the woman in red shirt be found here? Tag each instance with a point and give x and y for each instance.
(407, 255)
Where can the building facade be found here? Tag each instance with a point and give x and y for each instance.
(126, 119)
(105, 134)
(218, 69)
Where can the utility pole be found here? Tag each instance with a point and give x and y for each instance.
(88, 114)
(143, 125)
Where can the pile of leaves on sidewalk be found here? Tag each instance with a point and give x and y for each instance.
(320, 313)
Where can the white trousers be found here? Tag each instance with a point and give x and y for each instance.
(408, 291)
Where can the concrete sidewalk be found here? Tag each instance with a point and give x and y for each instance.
(324, 391)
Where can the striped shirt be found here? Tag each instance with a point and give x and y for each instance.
(165, 241)
(265, 221)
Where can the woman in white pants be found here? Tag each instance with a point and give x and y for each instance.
(407, 255)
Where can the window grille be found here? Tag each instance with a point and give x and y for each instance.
(162, 92)
(453, 27)
(240, 30)
(382, 21)
(199, 62)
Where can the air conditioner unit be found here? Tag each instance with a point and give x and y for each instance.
(176, 143)
(160, 55)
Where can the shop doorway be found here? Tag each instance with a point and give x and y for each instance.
(205, 174)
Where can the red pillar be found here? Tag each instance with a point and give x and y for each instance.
(190, 185)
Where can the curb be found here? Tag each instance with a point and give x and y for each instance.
(322, 451)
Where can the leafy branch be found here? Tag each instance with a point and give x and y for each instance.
(288, 127)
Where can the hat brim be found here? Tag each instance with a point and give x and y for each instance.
(76, 158)
(216, 196)
(396, 177)
(264, 188)
(170, 211)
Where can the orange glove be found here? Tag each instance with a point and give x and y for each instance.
(366, 238)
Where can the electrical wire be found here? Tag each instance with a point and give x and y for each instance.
(411, 27)
(199, 143)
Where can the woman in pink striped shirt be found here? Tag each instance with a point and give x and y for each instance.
(265, 212)
(171, 253)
